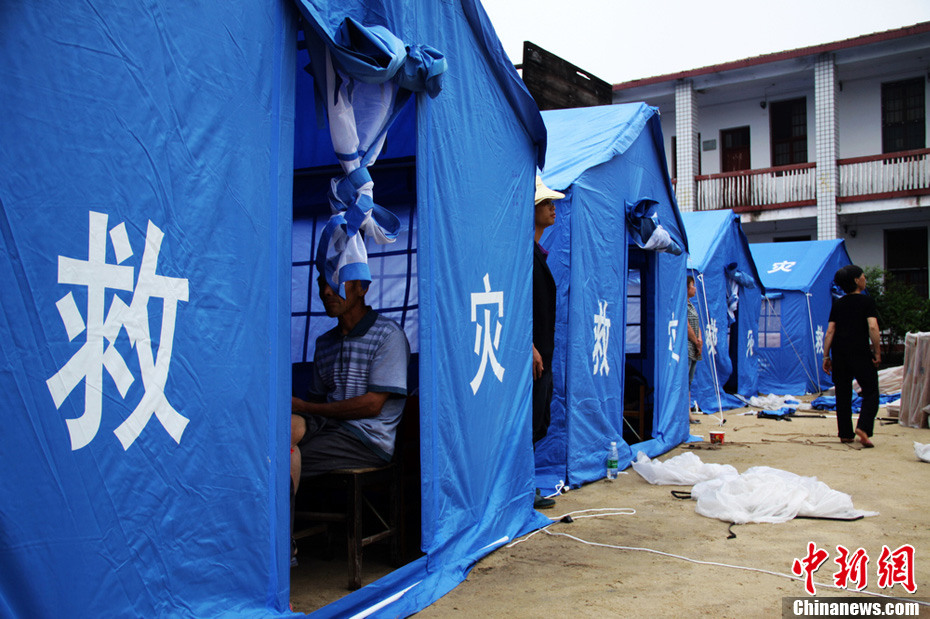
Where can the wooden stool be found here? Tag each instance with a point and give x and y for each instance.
(638, 415)
(357, 484)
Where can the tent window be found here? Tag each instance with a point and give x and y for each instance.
(393, 290)
(634, 313)
(770, 324)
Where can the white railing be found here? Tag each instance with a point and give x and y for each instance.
(904, 173)
(794, 185)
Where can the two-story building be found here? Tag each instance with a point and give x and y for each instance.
(822, 142)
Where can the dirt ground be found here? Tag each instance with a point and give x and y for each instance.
(711, 574)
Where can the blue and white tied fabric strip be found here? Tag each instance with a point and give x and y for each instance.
(369, 75)
(645, 229)
(735, 280)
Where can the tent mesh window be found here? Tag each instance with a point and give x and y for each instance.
(770, 324)
(393, 290)
(634, 313)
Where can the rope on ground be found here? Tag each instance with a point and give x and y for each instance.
(717, 564)
(572, 516)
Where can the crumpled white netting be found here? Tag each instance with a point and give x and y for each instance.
(761, 494)
(683, 470)
(922, 451)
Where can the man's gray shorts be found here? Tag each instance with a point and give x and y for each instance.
(327, 445)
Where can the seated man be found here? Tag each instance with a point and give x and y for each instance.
(358, 390)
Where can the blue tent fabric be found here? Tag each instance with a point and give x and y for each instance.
(476, 448)
(144, 208)
(603, 158)
(725, 275)
(798, 279)
(156, 144)
(828, 402)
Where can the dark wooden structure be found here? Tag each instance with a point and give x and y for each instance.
(557, 84)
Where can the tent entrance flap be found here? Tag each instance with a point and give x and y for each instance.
(639, 370)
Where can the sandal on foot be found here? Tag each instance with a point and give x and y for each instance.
(864, 439)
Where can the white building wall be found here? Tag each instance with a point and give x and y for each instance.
(859, 117)
(867, 248)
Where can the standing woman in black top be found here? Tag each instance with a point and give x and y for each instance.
(853, 338)
(543, 320)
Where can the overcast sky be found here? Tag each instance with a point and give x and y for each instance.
(619, 40)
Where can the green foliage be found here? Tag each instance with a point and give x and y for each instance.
(900, 309)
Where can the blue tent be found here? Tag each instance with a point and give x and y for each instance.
(729, 294)
(618, 305)
(798, 279)
(146, 195)
(445, 180)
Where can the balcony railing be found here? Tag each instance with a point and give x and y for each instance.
(876, 177)
(751, 190)
(896, 175)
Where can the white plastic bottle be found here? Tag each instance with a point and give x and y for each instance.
(613, 458)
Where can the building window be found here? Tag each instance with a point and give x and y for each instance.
(634, 312)
(770, 324)
(903, 115)
(788, 124)
(906, 258)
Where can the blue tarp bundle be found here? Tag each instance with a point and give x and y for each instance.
(729, 295)
(608, 161)
(828, 402)
(147, 167)
(798, 279)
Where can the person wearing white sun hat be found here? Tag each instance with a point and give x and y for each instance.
(543, 321)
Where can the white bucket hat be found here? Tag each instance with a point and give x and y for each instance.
(544, 193)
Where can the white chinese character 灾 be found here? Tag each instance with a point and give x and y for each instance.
(672, 334)
(784, 265)
(486, 345)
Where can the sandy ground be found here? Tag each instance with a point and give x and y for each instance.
(556, 575)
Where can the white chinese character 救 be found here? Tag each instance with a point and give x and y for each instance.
(710, 335)
(601, 340)
(99, 351)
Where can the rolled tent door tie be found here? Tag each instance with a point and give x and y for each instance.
(645, 229)
(364, 77)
